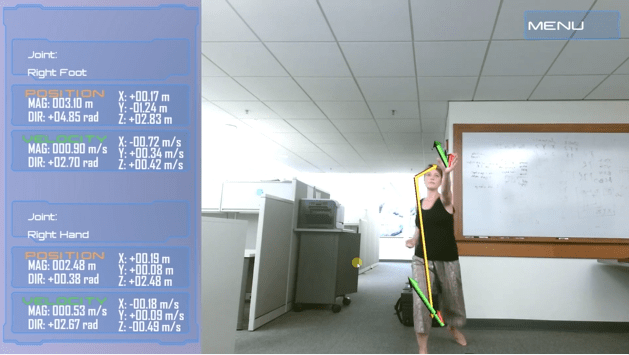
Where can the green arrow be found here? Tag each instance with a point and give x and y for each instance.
(421, 295)
(442, 154)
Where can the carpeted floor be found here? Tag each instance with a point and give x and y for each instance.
(369, 325)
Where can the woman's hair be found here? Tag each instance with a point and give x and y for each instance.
(438, 169)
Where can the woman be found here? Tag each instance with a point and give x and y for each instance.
(443, 258)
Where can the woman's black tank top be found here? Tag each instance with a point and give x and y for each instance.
(439, 234)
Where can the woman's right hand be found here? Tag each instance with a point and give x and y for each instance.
(410, 243)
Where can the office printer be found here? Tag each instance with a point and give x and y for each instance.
(320, 214)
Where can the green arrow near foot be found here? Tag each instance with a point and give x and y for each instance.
(421, 295)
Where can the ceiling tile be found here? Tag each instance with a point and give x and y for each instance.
(510, 23)
(429, 138)
(224, 88)
(388, 89)
(356, 126)
(239, 109)
(295, 109)
(270, 125)
(347, 158)
(399, 125)
(402, 138)
(624, 69)
(434, 109)
(273, 88)
(345, 109)
(415, 145)
(403, 109)
(616, 87)
(310, 58)
(438, 20)
(570, 87)
(616, 5)
(431, 126)
(287, 138)
(209, 69)
(344, 148)
(221, 23)
(243, 58)
(303, 148)
(366, 169)
(333, 168)
(313, 126)
(330, 89)
(364, 138)
(294, 142)
(450, 58)
(404, 149)
(446, 88)
(506, 87)
(359, 20)
(284, 20)
(373, 147)
(376, 156)
(379, 58)
(407, 156)
(209, 110)
(356, 164)
(318, 158)
(325, 138)
(591, 57)
(521, 57)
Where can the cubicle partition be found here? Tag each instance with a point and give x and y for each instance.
(222, 243)
(271, 242)
(271, 270)
(270, 209)
(301, 190)
(318, 193)
(370, 242)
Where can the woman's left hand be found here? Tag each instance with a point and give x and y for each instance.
(449, 168)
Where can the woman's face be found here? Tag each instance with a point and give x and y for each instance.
(432, 179)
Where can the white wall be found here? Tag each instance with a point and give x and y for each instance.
(542, 288)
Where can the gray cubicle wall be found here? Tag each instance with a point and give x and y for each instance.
(252, 228)
(301, 190)
(318, 193)
(369, 243)
(271, 270)
(222, 245)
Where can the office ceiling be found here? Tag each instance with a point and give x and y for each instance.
(362, 86)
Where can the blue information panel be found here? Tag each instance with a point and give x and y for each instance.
(101, 177)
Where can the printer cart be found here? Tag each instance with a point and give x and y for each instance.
(325, 271)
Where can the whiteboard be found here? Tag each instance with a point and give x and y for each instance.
(545, 184)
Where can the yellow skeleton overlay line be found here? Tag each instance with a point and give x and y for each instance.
(421, 228)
